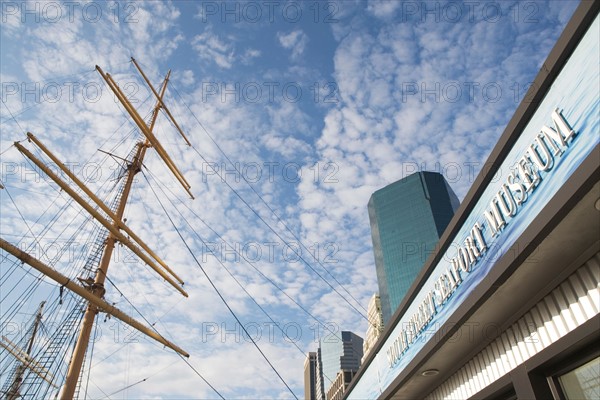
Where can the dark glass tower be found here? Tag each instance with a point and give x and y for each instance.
(340, 352)
(407, 219)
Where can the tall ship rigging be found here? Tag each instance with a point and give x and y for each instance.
(49, 357)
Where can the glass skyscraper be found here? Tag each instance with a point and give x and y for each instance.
(407, 219)
(337, 355)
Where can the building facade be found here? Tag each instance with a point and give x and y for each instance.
(310, 376)
(407, 219)
(340, 351)
(375, 320)
(509, 305)
(340, 384)
(319, 382)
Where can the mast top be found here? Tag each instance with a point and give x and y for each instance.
(151, 139)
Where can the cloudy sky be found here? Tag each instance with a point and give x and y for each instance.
(296, 112)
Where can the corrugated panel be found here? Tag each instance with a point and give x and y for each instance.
(571, 304)
(484, 379)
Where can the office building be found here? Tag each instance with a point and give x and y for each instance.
(375, 327)
(340, 352)
(310, 376)
(319, 383)
(509, 307)
(340, 384)
(407, 219)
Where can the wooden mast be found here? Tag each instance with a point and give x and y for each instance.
(99, 203)
(84, 292)
(97, 287)
(26, 362)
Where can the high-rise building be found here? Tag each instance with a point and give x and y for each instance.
(407, 219)
(340, 352)
(530, 268)
(319, 383)
(340, 384)
(375, 319)
(310, 376)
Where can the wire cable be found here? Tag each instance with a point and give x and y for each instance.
(220, 295)
(237, 281)
(279, 219)
(282, 239)
(152, 326)
(12, 116)
(251, 264)
(274, 213)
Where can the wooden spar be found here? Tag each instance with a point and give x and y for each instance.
(83, 292)
(97, 288)
(122, 238)
(162, 104)
(101, 204)
(144, 128)
(150, 136)
(93, 291)
(154, 141)
(27, 360)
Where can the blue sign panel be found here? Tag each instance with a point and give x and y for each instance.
(559, 137)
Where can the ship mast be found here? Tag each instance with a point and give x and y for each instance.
(97, 287)
(26, 362)
(93, 289)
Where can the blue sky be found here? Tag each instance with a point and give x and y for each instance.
(317, 103)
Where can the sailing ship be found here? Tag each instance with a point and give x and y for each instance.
(47, 360)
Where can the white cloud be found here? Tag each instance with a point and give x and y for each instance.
(384, 9)
(187, 77)
(372, 136)
(295, 41)
(250, 55)
(11, 20)
(210, 47)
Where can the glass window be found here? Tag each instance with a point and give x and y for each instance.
(582, 382)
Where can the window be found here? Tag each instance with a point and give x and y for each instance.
(583, 382)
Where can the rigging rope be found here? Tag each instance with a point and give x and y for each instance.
(298, 253)
(32, 287)
(274, 213)
(218, 292)
(44, 98)
(162, 187)
(11, 114)
(266, 204)
(325, 326)
(93, 345)
(267, 224)
(241, 285)
(152, 326)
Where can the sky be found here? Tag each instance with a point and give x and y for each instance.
(297, 112)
